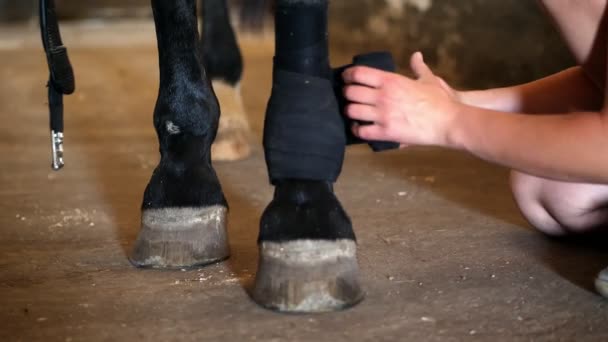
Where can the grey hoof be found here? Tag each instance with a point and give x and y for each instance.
(306, 276)
(601, 283)
(181, 237)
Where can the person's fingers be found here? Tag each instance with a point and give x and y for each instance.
(362, 112)
(363, 75)
(420, 69)
(368, 132)
(361, 94)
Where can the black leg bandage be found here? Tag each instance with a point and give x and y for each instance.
(304, 134)
(302, 137)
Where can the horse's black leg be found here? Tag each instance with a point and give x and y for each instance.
(184, 210)
(224, 66)
(307, 245)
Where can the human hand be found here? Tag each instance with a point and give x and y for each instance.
(400, 109)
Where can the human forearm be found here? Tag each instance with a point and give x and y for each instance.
(568, 147)
(566, 91)
(423, 111)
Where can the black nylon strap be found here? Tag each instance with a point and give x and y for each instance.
(61, 76)
(379, 60)
(56, 110)
(61, 73)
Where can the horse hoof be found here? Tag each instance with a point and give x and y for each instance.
(232, 141)
(308, 276)
(181, 237)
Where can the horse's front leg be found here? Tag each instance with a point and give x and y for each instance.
(184, 210)
(224, 65)
(307, 245)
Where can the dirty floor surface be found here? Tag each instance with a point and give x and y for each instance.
(443, 250)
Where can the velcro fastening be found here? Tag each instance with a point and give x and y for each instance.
(304, 135)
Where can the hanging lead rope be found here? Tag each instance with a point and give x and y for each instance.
(61, 79)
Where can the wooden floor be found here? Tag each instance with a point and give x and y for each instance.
(444, 253)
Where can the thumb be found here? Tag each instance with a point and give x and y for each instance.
(420, 69)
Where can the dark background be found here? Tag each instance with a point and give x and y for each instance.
(472, 43)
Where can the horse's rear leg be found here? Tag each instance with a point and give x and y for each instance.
(224, 66)
(307, 246)
(184, 210)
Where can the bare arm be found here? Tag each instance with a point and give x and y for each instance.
(567, 91)
(570, 147)
(582, 24)
(424, 112)
(561, 146)
(567, 145)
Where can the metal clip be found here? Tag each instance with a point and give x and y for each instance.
(57, 149)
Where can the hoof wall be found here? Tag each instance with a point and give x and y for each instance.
(181, 237)
(601, 283)
(308, 276)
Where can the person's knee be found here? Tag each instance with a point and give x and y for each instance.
(528, 194)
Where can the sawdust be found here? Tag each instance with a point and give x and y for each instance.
(72, 218)
(214, 280)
